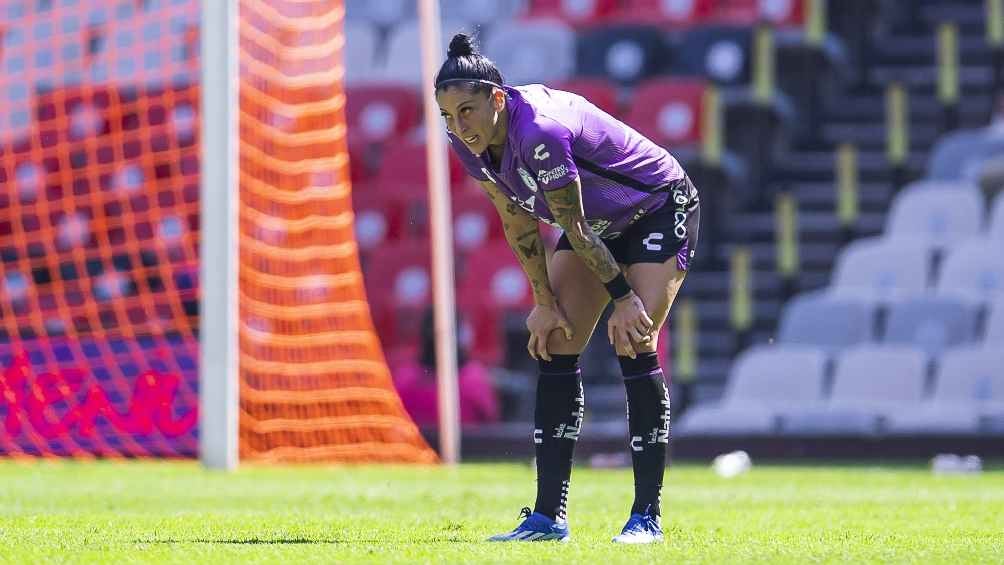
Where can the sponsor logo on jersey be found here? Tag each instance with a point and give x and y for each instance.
(547, 177)
(650, 241)
(540, 153)
(599, 226)
(527, 179)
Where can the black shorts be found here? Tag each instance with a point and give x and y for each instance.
(669, 231)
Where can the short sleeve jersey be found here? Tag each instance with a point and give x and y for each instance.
(556, 136)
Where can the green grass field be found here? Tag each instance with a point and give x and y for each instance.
(118, 512)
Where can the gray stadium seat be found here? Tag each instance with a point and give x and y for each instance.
(870, 381)
(938, 213)
(973, 271)
(931, 323)
(879, 269)
(994, 336)
(957, 156)
(969, 386)
(380, 12)
(831, 323)
(532, 52)
(404, 52)
(360, 52)
(762, 381)
(996, 227)
(482, 12)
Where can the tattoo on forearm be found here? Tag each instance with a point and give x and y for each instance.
(566, 205)
(523, 235)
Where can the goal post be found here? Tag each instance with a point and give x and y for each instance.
(218, 322)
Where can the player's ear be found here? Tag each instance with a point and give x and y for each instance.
(498, 99)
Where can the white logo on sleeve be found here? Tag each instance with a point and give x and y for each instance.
(652, 237)
(540, 153)
(527, 179)
(489, 175)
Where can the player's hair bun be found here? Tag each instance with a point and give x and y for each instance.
(462, 45)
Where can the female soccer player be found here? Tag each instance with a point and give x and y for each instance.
(630, 217)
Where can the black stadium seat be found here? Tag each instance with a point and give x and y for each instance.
(721, 54)
(625, 53)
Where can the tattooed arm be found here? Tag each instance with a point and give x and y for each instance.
(523, 234)
(629, 323)
(566, 205)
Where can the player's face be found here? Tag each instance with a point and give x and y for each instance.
(473, 117)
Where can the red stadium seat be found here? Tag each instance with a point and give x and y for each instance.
(782, 13)
(402, 166)
(573, 12)
(668, 12)
(475, 221)
(685, 13)
(668, 111)
(378, 217)
(381, 113)
(497, 281)
(399, 289)
(600, 92)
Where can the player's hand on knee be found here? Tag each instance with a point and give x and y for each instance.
(544, 319)
(629, 323)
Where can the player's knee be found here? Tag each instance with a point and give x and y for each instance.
(644, 364)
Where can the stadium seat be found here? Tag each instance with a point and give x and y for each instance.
(994, 335)
(475, 222)
(879, 269)
(869, 381)
(578, 13)
(974, 271)
(381, 113)
(830, 323)
(399, 290)
(600, 92)
(763, 380)
(969, 382)
(361, 42)
(167, 63)
(499, 283)
(404, 53)
(482, 12)
(622, 53)
(667, 13)
(996, 226)
(781, 13)
(668, 111)
(932, 324)
(402, 168)
(380, 12)
(936, 213)
(532, 52)
(720, 53)
(675, 14)
(377, 218)
(957, 156)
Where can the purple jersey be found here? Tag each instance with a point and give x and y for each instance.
(556, 136)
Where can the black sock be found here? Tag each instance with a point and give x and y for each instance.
(556, 418)
(648, 425)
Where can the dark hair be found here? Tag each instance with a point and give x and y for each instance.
(464, 66)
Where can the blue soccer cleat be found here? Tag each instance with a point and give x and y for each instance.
(536, 527)
(641, 528)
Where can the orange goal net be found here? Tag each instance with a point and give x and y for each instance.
(314, 382)
(100, 229)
